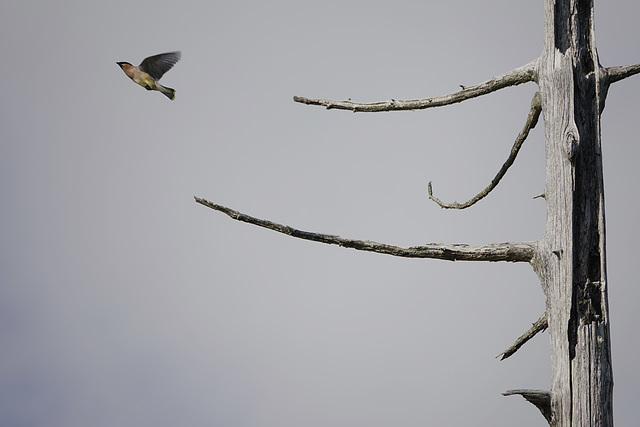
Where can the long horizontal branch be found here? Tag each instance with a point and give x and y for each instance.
(532, 120)
(513, 252)
(615, 74)
(524, 74)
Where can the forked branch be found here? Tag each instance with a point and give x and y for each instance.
(513, 252)
(524, 74)
(532, 120)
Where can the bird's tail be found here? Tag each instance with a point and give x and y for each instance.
(167, 91)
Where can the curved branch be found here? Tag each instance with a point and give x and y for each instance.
(541, 399)
(524, 74)
(532, 120)
(513, 252)
(615, 74)
(539, 326)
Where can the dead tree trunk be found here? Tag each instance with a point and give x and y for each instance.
(570, 258)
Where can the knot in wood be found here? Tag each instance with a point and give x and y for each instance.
(572, 142)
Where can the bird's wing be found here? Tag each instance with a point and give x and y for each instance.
(157, 65)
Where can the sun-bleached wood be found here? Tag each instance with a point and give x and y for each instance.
(540, 398)
(524, 74)
(570, 258)
(539, 325)
(512, 252)
(532, 120)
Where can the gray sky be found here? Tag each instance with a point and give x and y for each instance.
(124, 303)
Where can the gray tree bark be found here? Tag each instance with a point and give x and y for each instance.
(570, 259)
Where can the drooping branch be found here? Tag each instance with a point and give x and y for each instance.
(539, 326)
(541, 399)
(524, 74)
(615, 74)
(513, 252)
(532, 120)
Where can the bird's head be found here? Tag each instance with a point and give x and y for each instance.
(123, 64)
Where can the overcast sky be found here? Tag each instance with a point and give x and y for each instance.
(125, 303)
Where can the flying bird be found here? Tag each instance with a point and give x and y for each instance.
(150, 70)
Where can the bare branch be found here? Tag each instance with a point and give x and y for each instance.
(615, 74)
(524, 74)
(539, 326)
(540, 398)
(513, 252)
(532, 120)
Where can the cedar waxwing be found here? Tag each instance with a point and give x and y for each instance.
(151, 70)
